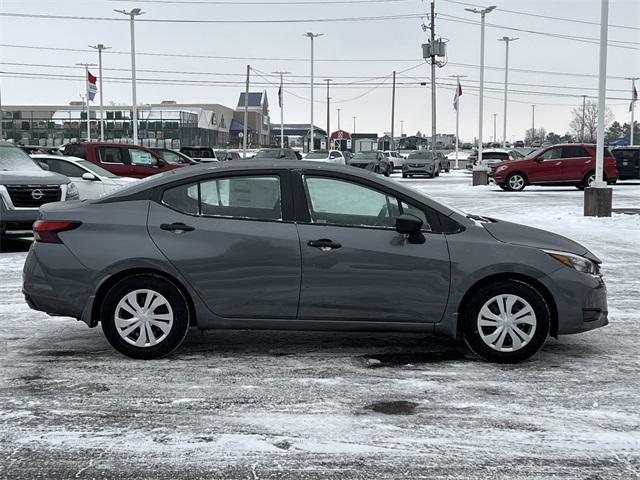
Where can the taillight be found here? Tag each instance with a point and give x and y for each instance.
(47, 230)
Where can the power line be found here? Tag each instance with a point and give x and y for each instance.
(279, 59)
(548, 17)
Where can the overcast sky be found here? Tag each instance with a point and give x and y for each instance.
(385, 44)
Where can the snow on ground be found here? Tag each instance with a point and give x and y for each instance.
(295, 405)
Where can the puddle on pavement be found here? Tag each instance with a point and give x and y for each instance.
(397, 407)
(402, 359)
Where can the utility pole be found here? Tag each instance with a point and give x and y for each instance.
(533, 123)
(401, 128)
(312, 36)
(506, 41)
(393, 104)
(354, 124)
(281, 102)
(86, 86)
(338, 118)
(132, 15)
(584, 107)
(433, 77)
(246, 114)
(482, 14)
(634, 95)
(328, 112)
(100, 47)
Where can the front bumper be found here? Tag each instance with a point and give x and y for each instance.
(417, 170)
(18, 219)
(581, 300)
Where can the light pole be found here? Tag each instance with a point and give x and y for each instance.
(354, 124)
(132, 14)
(482, 14)
(100, 47)
(338, 119)
(311, 129)
(506, 41)
(328, 80)
(495, 115)
(533, 124)
(401, 128)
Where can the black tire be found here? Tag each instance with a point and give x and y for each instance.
(447, 170)
(526, 294)
(176, 300)
(388, 171)
(513, 185)
(404, 175)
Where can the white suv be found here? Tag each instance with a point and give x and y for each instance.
(397, 160)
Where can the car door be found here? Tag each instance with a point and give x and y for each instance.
(548, 167)
(576, 162)
(115, 159)
(143, 163)
(355, 266)
(233, 239)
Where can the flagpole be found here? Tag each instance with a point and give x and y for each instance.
(281, 103)
(632, 107)
(86, 84)
(457, 77)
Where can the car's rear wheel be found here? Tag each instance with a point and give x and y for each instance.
(144, 316)
(506, 321)
(515, 182)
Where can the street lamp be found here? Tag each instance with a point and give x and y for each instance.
(311, 129)
(482, 14)
(132, 14)
(506, 41)
(100, 47)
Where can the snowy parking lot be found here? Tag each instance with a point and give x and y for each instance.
(296, 405)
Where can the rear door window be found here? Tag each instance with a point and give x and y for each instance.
(62, 167)
(142, 158)
(574, 151)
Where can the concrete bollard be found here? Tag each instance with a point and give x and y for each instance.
(480, 177)
(598, 201)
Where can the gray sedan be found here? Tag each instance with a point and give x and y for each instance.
(298, 245)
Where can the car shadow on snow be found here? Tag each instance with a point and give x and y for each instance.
(13, 244)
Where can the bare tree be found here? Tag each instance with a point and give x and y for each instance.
(590, 124)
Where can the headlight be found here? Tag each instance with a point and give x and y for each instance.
(501, 168)
(576, 262)
(72, 191)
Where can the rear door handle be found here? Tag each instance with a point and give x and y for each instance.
(324, 244)
(177, 227)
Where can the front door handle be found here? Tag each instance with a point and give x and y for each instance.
(324, 244)
(177, 227)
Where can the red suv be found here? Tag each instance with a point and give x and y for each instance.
(570, 164)
(122, 159)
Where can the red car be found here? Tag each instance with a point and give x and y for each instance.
(122, 159)
(570, 164)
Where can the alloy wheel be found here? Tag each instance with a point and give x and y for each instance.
(506, 322)
(516, 182)
(143, 318)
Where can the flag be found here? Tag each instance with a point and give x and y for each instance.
(280, 95)
(457, 95)
(91, 86)
(634, 96)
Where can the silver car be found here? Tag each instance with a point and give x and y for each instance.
(301, 245)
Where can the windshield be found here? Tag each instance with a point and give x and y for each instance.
(198, 152)
(365, 156)
(535, 153)
(12, 158)
(421, 156)
(313, 155)
(101, 172)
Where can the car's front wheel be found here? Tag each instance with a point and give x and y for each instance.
(516, 182)
(506, 321)
(144, 316)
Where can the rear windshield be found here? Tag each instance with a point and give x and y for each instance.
(198, 152)
(317, 155)
(14, 159)
(365, 156)
(76, 150)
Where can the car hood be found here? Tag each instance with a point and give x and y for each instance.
(34, 177)
(517, 234)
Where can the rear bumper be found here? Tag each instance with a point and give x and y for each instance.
(422, 170)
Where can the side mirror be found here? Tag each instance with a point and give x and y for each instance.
(410, 225)
(89, 176)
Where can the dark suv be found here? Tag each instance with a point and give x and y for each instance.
(628, 162)
(570, 164)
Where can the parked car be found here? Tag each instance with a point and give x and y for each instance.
(348, 155)
(570, 164)
(200, 154)
(25, 187)
(376, 161)
(92, 181)
(227, 155)
(627, 162)
(519, 144)
(421, 162)
(272, 245)
(277, 154)
(445, 165)
(173, 156)
(124, 160)
(330, 156)
(31, 149)
(491, 156)
(395, 158)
